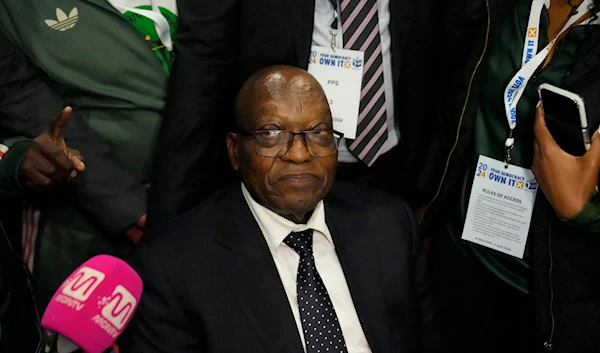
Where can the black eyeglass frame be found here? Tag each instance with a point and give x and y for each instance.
(337, 135)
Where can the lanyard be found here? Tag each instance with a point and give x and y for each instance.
(530, 62)
(334, 25)
(533, 34)
(163, 29)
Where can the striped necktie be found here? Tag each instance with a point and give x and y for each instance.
(360, 28)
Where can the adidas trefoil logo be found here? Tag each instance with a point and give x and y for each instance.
(63, 22)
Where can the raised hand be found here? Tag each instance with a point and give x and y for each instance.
(48, 161)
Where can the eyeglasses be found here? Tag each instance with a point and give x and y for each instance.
(276, 143)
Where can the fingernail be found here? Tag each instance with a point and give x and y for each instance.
(539, 104)
(73, 174)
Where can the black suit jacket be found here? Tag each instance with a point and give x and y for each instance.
(211, 285)
(223, 42)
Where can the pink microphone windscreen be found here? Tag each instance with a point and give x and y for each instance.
(95, 303)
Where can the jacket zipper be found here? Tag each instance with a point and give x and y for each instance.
(548, 345)
(485, 47)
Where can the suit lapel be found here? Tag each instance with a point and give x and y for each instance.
(253, 277)
(358, 255)
(301, 14)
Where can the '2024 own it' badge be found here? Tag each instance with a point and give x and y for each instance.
(340, 73)
(500, 206)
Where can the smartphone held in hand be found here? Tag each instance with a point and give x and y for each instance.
(566, 119)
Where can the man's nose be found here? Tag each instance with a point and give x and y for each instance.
(298, 151)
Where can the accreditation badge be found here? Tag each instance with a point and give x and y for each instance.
(500, 206)
(340, 73)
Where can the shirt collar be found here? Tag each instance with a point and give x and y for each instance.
(276, 228)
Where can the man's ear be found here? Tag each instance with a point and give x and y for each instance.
(232, 150)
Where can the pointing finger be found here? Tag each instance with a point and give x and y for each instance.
(58, 123)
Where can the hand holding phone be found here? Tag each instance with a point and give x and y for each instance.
(567, 181)
(566, 118)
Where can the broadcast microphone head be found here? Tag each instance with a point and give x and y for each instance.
(93, 306)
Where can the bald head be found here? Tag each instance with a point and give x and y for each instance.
(282, 83)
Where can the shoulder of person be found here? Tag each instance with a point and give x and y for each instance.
(186, 241)
(196, 227)
(364, 199)
(388, 218)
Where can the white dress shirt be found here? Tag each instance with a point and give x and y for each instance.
(322, 37)
(275, 229)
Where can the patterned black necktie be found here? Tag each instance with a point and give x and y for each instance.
(322, 332)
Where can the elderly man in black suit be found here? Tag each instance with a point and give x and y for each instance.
(286, 261)
(223, 42)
